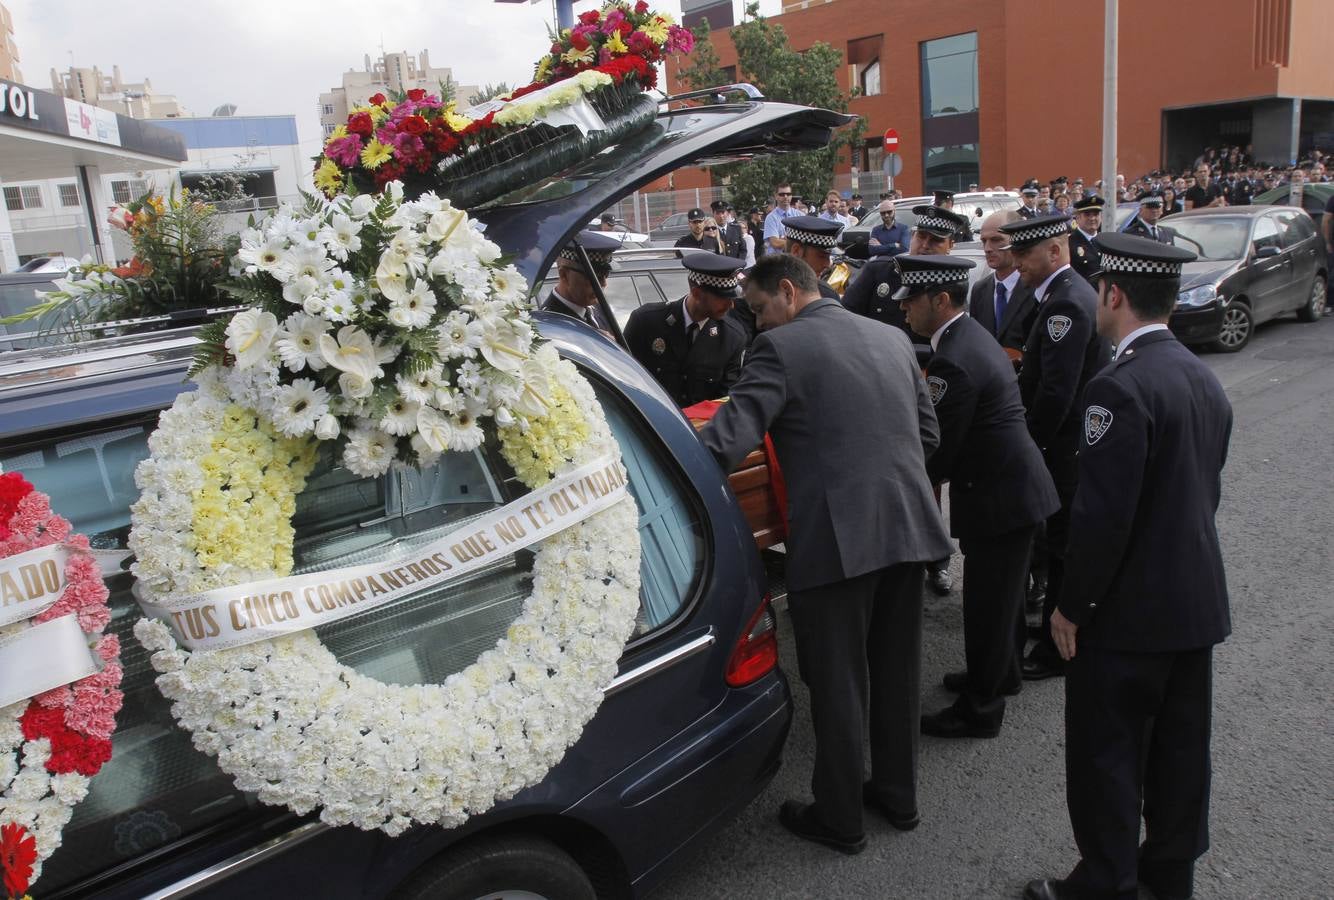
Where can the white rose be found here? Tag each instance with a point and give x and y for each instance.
(327, 428)
(355, 385)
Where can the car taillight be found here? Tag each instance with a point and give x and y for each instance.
(756, 653)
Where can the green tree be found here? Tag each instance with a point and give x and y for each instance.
(704, 70)
(489, 92)
(766, 59)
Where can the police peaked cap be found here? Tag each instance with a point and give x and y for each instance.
(598, 245)
(1027, 232)
(919, 274)
(937, 221)
(1128, 254)
(812, 230)
(713, 272)
(1091, 203)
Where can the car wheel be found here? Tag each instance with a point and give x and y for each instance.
(1315, 304)
(1235, 331)
(514, 867)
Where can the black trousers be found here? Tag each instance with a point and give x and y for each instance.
(1066, 476)
(1137, 729)
(859, 647)
(995, 581)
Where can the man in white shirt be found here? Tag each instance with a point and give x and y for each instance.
(774, 241)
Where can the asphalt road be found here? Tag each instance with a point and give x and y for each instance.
(993, 811)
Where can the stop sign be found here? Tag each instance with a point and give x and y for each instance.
(891, 140)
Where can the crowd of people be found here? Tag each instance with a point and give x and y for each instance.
(1075, 435)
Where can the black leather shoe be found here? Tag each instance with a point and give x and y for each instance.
(957, 681)
(1048, 889)
(900, 821)
(1037, 592)
(949, 724)
(939, 581)
(1040, 669)
(797, 818)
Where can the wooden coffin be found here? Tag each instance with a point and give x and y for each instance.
(753, 483)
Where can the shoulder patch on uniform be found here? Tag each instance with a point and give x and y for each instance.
(1097, 421)
(937, 387)
(1058, 327)
(882, 290)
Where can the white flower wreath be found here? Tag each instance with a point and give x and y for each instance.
(283, 716)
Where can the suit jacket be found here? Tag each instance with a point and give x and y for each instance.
(998, 481)
(1026, 213)
(1143, 570)
(1083, 255)
(1063, 351)
(554, 305)
(704, 370)
(733, 245)
(1140, 229)
(847, 408)
(1019, 311)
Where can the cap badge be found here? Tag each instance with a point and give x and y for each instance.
(882, 290)
(659, 346)
(1097, 421)
(936, 387)
(1058, 327)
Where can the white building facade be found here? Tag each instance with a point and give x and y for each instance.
(391, 74)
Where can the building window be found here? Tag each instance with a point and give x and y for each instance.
(949, 76)
(120, 191)
(328, 129)
(28, 196)
(328, 109)
(951, 168)
(69, 194)
(870, 79)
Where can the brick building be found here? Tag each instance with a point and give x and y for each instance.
(997, 92)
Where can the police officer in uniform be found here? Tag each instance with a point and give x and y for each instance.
(999, 488)
(574, 294)
(690, 345)
(1146, 223)
(1145, 598)
(1063, 351)
(728, 231)
(810, 239)
(1029, 208)
(1088, 219)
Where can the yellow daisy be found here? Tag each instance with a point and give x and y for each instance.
(615, 44)
(376, 154)
(328, 177)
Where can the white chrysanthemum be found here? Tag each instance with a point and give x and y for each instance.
(263, 255)
(298, 344)
(298, 406)
(414, 309)
(460, 336)
(420, 388)
(250, 336)
(508, 284)
(405, 249)
(400, 418)
(298, 289)
(369, 452)
(465, 432)
(309, 260)
(338, 306)
(342, 236)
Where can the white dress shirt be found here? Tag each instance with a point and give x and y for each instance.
(935, 338)
(1137, 333)
(1040, 294)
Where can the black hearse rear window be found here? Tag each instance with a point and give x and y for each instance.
(157, 788)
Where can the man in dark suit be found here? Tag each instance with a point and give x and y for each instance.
(1063, 351)
(1088, 219)
(999, 488)
(574, 295)
(1000, 302)
(728, 231)
(1145, 598)
(690, 345)
(863, 520)
(856, 208)
(1146, 223)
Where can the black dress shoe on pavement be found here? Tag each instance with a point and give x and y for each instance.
(797, 818)
(1048, 889)
(939, 581)
(1040, 669)
(949, 724)
(955, 682)
(900, 821)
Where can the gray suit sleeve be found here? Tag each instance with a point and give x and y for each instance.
(753, 403)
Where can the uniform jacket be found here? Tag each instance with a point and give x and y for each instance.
(703, 242)
(1083, 255)
(1062, 352)
(554, 305)
(1026, 213)
(1019, 311)
(1143, 569)
(1140, 229)
(704, 370)
(998, 481)
(733, 245)
(848, 411)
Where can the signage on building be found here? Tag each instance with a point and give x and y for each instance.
(18, 102)
(91, 123)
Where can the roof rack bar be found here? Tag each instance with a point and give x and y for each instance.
(743, 87)
(181, 317)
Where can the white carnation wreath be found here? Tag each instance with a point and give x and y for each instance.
(283, 716)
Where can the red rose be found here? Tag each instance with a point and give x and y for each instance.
(377, 99)
(579, 40)
(590, 18)
(557, 49)
(641, 7)
(414, 125)
(416, 95)
(361, 124)
(624, 27)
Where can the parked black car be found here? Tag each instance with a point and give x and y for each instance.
(692, 727)
(1256, 263)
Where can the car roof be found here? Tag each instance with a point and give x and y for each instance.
(534, 222)
(1251, 211)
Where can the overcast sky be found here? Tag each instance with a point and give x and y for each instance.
(274, 57)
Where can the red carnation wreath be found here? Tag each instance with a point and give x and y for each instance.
(57, 737)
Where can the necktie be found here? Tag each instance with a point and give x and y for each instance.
(589, 317)
(1154, 232)
(1001, 300)
(692, 332)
